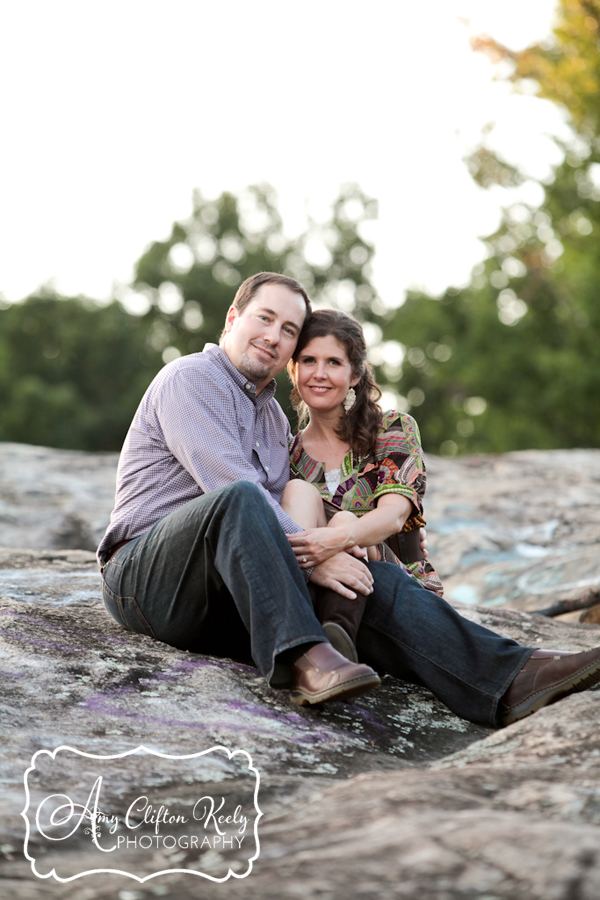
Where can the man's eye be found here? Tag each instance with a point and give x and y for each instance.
(290, 331)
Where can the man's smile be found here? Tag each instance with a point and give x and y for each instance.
(270, 354)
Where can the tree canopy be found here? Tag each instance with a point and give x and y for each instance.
(512, 360)
(72, 371)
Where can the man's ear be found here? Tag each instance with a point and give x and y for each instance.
(231, 315)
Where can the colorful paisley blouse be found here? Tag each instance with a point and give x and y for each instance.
(397, 466)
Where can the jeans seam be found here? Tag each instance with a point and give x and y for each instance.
(509, 680)
(116, 598)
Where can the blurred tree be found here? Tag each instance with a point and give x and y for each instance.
(512, 360)
(72, 372)
(189, 280)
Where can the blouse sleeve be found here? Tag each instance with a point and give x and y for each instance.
(401, 467)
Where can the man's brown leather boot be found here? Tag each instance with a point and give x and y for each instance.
(322, 673)
(547, 677)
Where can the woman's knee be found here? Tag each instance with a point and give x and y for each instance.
(343, 516)
(296, 490)
(302, 501)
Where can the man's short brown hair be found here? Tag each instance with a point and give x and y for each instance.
(248, 289)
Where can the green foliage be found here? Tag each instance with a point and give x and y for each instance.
(190, 279)
(512, 361)
(72, 372)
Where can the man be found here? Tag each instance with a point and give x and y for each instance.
(196, 553)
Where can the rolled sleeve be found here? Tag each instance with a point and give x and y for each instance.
(400, 459)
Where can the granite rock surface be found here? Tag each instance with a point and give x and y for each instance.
(389, 796)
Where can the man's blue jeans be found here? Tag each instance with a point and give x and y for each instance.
(217, 576)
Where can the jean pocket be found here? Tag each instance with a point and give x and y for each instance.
(126, 611)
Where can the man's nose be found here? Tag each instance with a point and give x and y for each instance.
(273, 334)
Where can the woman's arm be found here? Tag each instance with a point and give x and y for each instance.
(346, 530)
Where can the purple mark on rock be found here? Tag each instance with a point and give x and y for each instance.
(100, 705)
(4, 673)
(369, 717)
(36, 642)
(289, 718)
(212, 661)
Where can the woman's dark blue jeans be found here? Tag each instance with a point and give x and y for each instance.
(217, 576)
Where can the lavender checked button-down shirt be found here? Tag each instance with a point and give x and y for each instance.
(199, 426)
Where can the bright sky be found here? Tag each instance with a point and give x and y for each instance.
(112, 113)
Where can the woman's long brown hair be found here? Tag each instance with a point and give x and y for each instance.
(360, 424)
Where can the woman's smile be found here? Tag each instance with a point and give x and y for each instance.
(324, 374)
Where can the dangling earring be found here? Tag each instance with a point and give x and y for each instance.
(349, 400)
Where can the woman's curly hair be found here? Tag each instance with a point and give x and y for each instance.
(359, 425)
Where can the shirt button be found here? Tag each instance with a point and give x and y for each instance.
(247, 385)
(257, 444)
(266, 468)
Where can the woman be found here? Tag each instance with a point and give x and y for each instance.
(358, 475)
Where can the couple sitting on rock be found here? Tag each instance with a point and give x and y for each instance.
(212, 548)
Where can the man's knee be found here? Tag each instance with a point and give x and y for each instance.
(243, 497)
(244, 491)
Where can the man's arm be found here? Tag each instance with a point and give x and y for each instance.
(200, 426)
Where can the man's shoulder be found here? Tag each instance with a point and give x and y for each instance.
(193, 368)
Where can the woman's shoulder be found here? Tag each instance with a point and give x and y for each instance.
(295, 447)
(398, 431)
(394, 420)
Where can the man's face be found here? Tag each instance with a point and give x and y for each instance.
(260, 340)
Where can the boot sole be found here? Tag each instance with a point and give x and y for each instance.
(576, 684)
(339, 692)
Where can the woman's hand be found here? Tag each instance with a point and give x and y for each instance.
(315, 545)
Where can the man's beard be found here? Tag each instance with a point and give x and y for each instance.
(256, 369)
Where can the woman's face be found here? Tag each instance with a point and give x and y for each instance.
(324, 374)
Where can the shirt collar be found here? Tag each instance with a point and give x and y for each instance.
(220, 357)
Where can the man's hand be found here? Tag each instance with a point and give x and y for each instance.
(424, 543)
(345, 574)
(315, 545)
